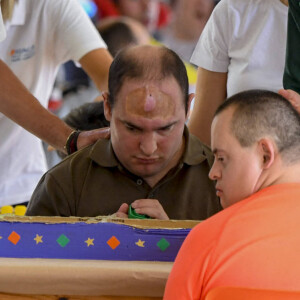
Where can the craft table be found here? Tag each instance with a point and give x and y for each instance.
(87, 258)
(74, 279)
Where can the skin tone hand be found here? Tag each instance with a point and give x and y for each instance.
(86, 138)
(150, 207)
(123, 211)
(291, 96)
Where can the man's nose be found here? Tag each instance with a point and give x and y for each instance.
(148, 144)
(214, 173)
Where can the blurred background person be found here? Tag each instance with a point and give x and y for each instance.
(41, 35)
(241, 47)
(22, 107)
(187, 21)
(121, 32)
(153, 14)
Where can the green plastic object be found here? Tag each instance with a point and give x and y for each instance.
(132, 214)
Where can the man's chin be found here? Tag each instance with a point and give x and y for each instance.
(145, 171)
(224, 203)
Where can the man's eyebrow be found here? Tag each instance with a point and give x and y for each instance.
(139, 128)
(216, 151)
(167, 126)
(131, 125)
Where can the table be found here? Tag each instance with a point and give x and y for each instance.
(82, 279)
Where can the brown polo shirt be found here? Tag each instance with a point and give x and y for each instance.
(92, 182)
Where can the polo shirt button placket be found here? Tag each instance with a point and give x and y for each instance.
(151, 195)
(139, 182)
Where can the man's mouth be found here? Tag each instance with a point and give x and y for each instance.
(219, 192)
(146, 161)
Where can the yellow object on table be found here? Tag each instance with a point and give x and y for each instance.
(19, 210)
(7, 209)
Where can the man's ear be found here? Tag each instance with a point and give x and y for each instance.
(107, 106)
(267, 151)
(191, 97)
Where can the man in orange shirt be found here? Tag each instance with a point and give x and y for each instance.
(254, 242)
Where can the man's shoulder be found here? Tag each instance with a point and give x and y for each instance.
(100, 153)
(197, 152)
(197, 142)
(79, 158)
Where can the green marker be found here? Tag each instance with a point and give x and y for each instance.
(132, 214)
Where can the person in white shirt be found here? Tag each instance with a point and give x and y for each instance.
(40, 36)
(188, 19)
(241, 47)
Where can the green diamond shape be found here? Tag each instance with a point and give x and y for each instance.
(163, 244)
(63, 241)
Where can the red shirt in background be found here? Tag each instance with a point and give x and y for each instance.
(107, 8)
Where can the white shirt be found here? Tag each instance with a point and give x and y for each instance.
(41, 35)
(2, 28)
(247, 39)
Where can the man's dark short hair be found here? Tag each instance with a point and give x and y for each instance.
(129, 66)
(88, 116)
(261, 113)
(117, 35)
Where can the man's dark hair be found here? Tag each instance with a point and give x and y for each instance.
(261, 113)
(162, 64)
(88, 116)
(117, 35)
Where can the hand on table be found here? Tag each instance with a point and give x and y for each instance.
(149, 207)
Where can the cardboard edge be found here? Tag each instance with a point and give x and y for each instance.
(146, 223)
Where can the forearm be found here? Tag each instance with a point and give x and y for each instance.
(18, 104)
(96, 63)
(210, 93)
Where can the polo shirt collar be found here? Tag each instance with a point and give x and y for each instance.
(103, 154)
(195, 152)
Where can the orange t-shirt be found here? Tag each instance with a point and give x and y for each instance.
(254, 243)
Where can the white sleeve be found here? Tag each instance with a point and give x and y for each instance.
(74, 33)
(211, 52)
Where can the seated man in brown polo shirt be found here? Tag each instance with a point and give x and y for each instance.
(151, 161)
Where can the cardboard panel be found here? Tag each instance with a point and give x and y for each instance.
(92, 238)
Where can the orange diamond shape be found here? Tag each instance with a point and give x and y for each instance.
(113, 242)
(14, 238)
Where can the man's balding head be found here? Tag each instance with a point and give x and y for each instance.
(260, 113)
(255, 138)
(146, 63)
(147, 108)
